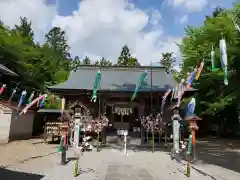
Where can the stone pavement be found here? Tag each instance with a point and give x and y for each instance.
(219, 158)
(216, 172)
(108, 164)
(18, 152)
(111, 164)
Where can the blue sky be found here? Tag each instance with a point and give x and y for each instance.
(169, 14)
(100, 28)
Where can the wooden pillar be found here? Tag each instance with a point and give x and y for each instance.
(45, 130)
(193, 127)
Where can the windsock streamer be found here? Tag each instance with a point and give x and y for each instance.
(63, 105)
(181, 92)
(189, 76)
(212, 59)
(191, 106)
(53, 98)
(12, 95)
(39, 98)
(31, 97)
(38, 102)
(199, 70)
(139, 83)
(173, 92)
(181, 88)
(236, 25)
(164, 99)
(166, 94)
(96, 86)
(2, 88)
(21, 100)
(192, 76)
(224, 60)
(43, 101)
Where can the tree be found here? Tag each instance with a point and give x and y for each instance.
(25, 28)
(217, 11)
(1, 24)
(168, 61)
(86, 61)
(56, 39)
(38, 66)
(103, 62)
(215, 101)
(75, 63)
(125, 58)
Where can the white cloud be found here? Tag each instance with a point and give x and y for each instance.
(182, 20)
(98, 28)
(190, 5)
(39, 13)
(155, 17)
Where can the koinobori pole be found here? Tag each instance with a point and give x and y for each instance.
(151, 91)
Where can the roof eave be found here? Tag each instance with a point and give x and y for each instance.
(7, 71)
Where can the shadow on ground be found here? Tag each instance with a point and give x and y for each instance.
(6, 174)
(220, 152)
(134, 144)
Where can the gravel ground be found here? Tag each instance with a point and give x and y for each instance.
(43, 162)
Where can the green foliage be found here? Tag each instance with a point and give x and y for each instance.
(49, 105)
(38, 66)
(43, 65)
(103, 62)
(213, 97)
(168, 61)
(125, 58)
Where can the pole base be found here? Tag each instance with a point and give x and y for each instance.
(188, 170)
(63, 156)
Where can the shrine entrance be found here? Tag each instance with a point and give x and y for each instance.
(124, 116)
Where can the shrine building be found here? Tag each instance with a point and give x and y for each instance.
(116, 89)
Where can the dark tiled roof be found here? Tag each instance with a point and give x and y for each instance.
(117, 79)
(5, 70)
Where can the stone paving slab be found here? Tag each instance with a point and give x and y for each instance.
(139, 165)
(127, 172)
(113, 165)
(32, 156)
